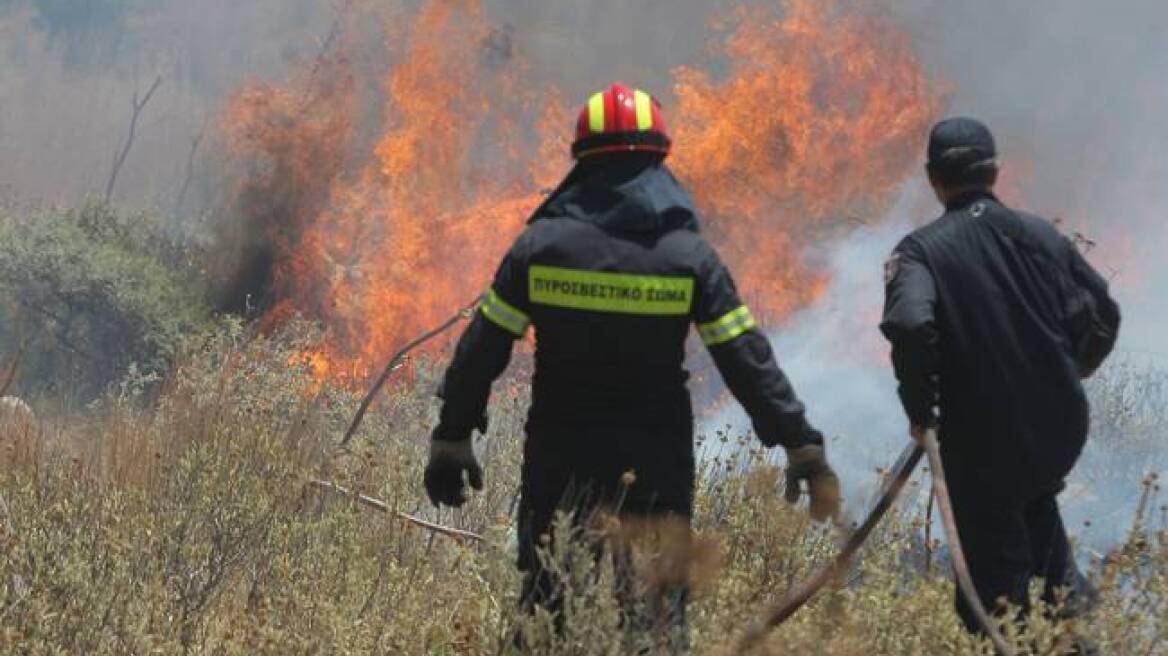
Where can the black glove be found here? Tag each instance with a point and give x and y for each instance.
(444, 473)
(809, 463)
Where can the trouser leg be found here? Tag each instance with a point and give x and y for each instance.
(579, 469)
(653, 607)
(668, 605)
(543, 582)
(994, 538)
(1065, 585)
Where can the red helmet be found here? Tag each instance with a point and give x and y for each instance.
(620, 120)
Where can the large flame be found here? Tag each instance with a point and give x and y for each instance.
(816, 120)
(816, 124)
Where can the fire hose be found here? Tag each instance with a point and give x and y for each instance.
(802, 593)
(964, 580)
(901, 472)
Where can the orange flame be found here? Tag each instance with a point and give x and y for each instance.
(817, 121)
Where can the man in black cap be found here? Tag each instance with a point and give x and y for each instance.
(994, 318)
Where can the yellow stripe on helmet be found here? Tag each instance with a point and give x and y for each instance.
(644, 103)
(596, 113)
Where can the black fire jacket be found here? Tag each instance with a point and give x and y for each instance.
(994, 317)
(612, 271)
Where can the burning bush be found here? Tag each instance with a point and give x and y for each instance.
(813, 121)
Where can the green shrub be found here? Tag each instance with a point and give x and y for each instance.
(92, 291)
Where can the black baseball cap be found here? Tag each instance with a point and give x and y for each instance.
(958, 143)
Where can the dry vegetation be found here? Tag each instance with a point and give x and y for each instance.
(173, 517)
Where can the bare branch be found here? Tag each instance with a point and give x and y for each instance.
(382, 506)
(396, 361)
(62, 336)
(192, 155)
(326, 46)
(137, 105)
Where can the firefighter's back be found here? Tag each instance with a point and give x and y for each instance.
(1010, 390)
(611, 298)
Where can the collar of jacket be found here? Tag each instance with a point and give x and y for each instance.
(967, 198)
(622, 193)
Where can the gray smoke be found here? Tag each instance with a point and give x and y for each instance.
(68, 72)
(1074, 92)
(838, 361)
(584, 46)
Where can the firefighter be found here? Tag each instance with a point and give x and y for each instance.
(611, 271)
(994, 318)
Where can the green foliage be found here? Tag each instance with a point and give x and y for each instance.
(94, 291)
(188, 527)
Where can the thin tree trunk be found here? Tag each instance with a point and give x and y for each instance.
(137, 105)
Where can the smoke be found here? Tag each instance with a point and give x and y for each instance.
(838, 361)
(1075, 95)
(68, 72)
(583, 46)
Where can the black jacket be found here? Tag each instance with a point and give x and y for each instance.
(994, 317)
(612, 271)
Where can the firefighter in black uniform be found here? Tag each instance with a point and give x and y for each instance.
(611, 271)
(994, 318)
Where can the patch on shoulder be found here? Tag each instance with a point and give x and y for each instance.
(891, 268)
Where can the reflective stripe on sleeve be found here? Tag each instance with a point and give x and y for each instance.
(504, 315)
(733, 324)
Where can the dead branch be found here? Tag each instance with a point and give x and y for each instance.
(326, 46)
(1150, 485)
(396, 361)
(382, 506)
(9, 529)
(192, 155)
(137, 105)
(929, 533)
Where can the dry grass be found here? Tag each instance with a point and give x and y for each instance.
(178, 521)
